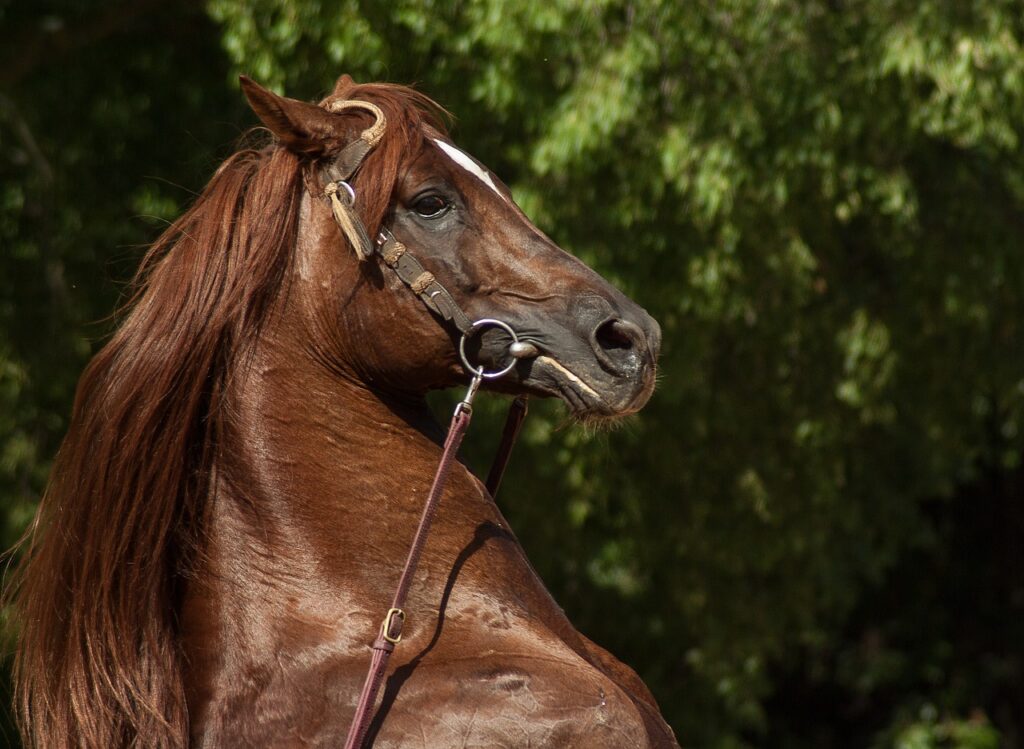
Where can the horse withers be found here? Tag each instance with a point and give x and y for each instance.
(248, 457)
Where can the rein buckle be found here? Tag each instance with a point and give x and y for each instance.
(385, 628)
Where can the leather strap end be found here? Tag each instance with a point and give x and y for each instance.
(351, 226)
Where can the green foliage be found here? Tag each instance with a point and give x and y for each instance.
(75, 203)
(820, 202)
(931, 732)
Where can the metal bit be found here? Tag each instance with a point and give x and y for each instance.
(523, 350)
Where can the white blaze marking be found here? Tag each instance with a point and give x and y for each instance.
(462, 159)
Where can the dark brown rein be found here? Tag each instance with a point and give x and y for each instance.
(439, 301)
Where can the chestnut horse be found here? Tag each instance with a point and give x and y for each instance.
(248, 456)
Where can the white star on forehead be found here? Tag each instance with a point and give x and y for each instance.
(463, 159)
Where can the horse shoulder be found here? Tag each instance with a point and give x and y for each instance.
(520, 693)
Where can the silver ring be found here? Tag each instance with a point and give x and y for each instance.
(349, 190)
(475, 328)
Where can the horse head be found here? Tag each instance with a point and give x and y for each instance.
(591, 345)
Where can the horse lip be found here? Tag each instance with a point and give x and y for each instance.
(571, 376)
(583, 398)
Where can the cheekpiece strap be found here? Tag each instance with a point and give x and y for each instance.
(343, 197)
(421, 282)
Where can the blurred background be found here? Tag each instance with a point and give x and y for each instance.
(814, 534)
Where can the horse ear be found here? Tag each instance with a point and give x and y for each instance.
(301, 127)
(343, 84)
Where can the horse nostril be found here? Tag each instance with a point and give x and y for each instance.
(618, 335)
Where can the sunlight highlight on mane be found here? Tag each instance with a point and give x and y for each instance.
(122, 518)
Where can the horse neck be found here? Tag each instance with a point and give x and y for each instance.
(316, 471)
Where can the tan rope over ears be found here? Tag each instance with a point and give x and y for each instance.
(372, 134)
(347, 163)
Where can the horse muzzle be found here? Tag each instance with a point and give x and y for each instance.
(599, 358)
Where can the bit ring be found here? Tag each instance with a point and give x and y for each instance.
(479, 325)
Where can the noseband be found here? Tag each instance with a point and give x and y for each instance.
(440, 302)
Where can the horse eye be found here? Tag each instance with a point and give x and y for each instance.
(431, 206)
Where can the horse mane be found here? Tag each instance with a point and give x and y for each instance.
(122, 520)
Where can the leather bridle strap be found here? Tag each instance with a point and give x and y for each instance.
(422, 282)
(391, 630)
(347, 163)
(513, 424)
(394, 254)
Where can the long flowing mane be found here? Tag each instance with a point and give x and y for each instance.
(122, 519)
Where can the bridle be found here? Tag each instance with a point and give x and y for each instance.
(440, 302)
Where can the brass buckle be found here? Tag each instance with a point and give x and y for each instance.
(385, 628)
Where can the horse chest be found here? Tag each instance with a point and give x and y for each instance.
(513, 700)
(492, 702)
(493, 671)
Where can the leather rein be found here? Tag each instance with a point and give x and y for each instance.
(439, 301)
